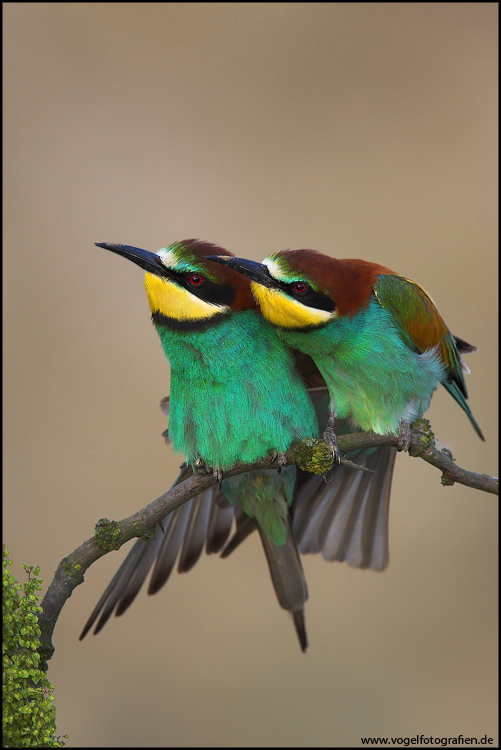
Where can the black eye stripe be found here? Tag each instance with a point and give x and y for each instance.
(205, 289)
(307, 296)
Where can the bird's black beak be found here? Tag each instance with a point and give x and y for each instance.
(254, 271)
(150, 262)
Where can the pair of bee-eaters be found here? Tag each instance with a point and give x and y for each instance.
(263, 356)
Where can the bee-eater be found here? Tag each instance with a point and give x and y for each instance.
(376, 337)
(236, 395)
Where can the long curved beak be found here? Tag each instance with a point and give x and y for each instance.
(254, 271)
(150, 262)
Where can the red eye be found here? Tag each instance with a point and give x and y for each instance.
(196, 279)
(300, 287)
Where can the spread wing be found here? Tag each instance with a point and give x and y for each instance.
(205, 520)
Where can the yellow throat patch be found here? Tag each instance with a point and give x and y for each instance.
(174, 301)
(281, 310)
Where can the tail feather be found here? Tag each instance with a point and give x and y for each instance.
(463, 346)
(300, 625)
(456, 394)
(264, 495)
(288, 579)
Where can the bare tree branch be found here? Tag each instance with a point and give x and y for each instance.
(311, 455)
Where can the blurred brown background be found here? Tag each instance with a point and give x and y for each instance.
(361, 130)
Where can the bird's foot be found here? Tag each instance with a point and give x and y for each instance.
(330, 440)
(218, 476)
(404, 437)
(281, 459)
(200, 467)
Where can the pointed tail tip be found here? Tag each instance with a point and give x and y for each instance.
(300, 625)
(476, 426)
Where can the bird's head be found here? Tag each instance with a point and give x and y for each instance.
(302, 289)
(184, 288)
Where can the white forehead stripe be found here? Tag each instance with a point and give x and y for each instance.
(168, 257)
(273, 268)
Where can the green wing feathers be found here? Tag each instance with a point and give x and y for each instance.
(421, 328)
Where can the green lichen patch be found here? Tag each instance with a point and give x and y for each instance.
(107, 534)
(445, 480)
(313, 456)
(425, 437)
(71, 570)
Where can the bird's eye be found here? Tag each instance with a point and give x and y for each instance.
(195, 279)
(300, 287)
